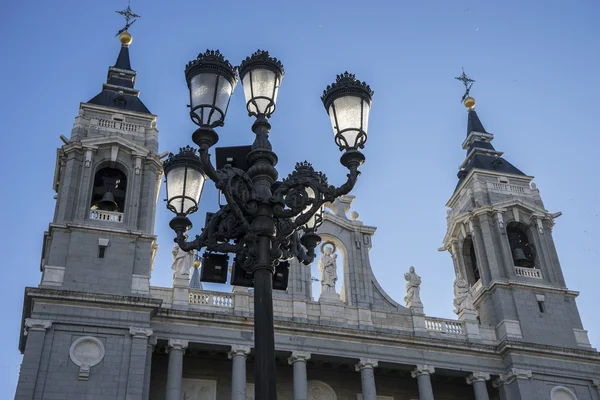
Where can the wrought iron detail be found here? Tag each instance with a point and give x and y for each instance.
(130, 18)
(468, 82)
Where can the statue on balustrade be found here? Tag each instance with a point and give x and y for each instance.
(413, 289)
(182, 260)
(328, 268)
(463, 296)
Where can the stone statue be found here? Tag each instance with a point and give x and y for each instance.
(413, 289)
(328, 268)
(463, 298)
(182, 260)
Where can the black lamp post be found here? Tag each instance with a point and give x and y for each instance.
(265, 222)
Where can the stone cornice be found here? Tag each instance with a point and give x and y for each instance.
(523, 285)
(95, 298)
(111, 230)
(348, 224)
(456, 195)
(111, 110)
(538, 350)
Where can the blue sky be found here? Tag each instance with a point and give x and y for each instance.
(537, 91)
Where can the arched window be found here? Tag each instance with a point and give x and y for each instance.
(470, 261)
(523, 252)
(110, 185)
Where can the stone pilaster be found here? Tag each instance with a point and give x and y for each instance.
(367, 378)
(515, 385)
(137, 357)
(238, 355)
(298, 361)
(478, 379)
(176, 349)
(35, 330)
(422, 373)
(148, 369)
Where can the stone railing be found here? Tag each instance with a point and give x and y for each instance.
(505, 187)
(476, 288)
(124, 126)
(444, 326)
(111, 216)
(529, 272)
(215, 299)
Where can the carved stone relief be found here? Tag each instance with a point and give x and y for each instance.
(199, 389)
(318, 390)
(86, 352)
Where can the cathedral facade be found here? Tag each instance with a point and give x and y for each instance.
(94, 328)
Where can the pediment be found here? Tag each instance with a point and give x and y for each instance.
(98, 142)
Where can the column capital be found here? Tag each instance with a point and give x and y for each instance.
(237, 350)
(141, 333)
(152, 340)
(177, 344)
(477, 377)
(422, 369)
(302, 356)
(366, 363)
(596, 383)
(32, 324)
(511, 375)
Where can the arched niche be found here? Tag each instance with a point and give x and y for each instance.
(109, 190)
(319, 390)
(562, 393)
(343, 269)
(521, 246)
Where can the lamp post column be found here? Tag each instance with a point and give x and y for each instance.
(176, 348)
(422, 373)
(238, 356)
(298, 360)
(477, 379)
(263, 174)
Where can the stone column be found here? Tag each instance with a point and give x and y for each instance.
(35, 330)
(477, 379)
(422, 373)
(238, 356)
(148, 373)
(176, 349)
(137, 358)
(367, 378)
(298, 360)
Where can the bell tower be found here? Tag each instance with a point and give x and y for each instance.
(500, 238)
(107, 179)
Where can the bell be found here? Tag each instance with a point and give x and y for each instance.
(520, 259)
(108, 202)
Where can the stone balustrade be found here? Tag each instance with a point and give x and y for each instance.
(110, 216)
(529, 272)
(505, 187)
(444, 326)
(214, 299)
(476, 288)
(118, 125)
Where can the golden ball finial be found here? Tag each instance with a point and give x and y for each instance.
(125, 38)
(470, 102)
(196, 264)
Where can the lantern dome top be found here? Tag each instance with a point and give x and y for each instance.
(346, 83)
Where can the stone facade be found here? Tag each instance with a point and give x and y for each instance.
(95, 329)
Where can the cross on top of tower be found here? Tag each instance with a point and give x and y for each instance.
(468, 82)
(130, 17)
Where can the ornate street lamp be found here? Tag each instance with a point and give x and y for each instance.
(184, 181)
(265, 222)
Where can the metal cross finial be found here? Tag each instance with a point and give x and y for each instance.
(468, 82)
(130, 17)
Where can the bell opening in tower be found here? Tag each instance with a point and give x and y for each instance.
(470, 260)
(523, 252)
(110, 185)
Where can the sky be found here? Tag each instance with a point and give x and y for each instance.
(535, 65)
